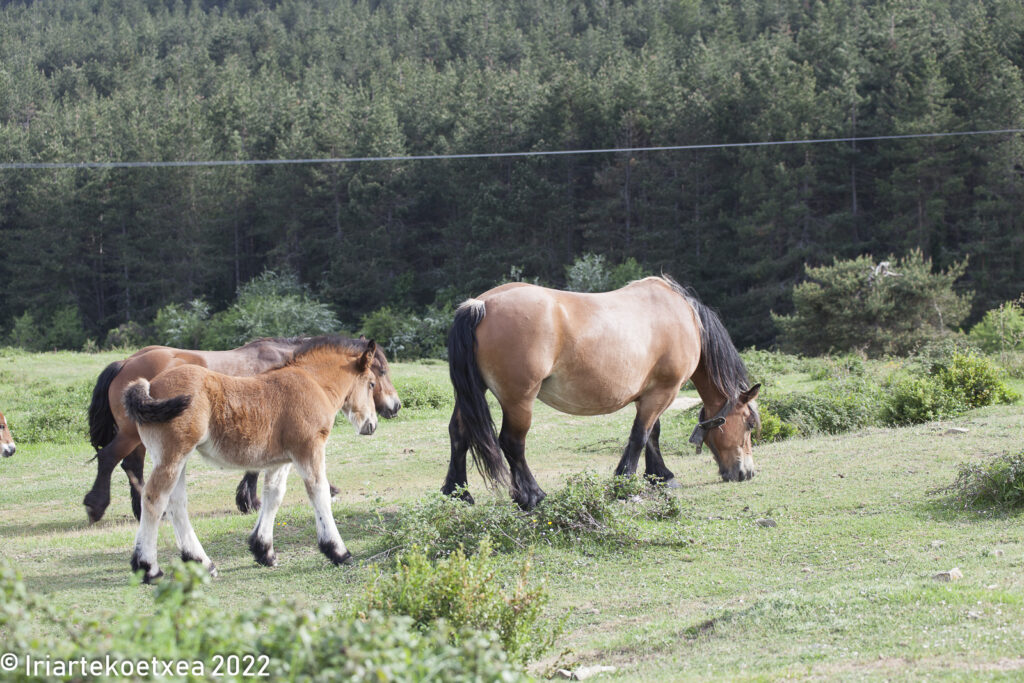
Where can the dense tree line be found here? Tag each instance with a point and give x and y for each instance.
(140, 80)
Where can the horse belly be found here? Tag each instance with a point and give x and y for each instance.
(586, 397)
(236, 456)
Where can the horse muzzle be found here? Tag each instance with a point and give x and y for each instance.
(368, 428)
(391, 409)
(9, 450)
(737, 473)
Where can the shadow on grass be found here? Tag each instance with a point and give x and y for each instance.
(25, 530)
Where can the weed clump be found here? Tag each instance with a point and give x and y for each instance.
(998, 484)
(466, 592)
(587, 509)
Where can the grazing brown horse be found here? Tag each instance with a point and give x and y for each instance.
(6, 440)
(116, 440)
(592, 354)
(270, 421)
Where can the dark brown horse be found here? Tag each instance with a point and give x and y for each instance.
(6, 440)
(270, 421)
(592, 354)
(116, 439)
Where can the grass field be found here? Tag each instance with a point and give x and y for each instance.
(841, 588)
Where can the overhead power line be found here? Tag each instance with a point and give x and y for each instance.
(484, 155)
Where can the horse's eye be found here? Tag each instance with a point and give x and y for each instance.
(373, 385)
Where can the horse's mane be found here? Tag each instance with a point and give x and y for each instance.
(331, 341)
(721, 360)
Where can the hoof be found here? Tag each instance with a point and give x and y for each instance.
(94, 507)
(331, 551)
(334, 490)
(464, 494)
(262, 552)
(148, 575)
(529, 502)
(246, 501)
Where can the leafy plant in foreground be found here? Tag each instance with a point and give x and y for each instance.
(998, 483)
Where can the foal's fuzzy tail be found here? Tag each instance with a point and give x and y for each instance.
(144, 409)
(102, 427)
(473, 414)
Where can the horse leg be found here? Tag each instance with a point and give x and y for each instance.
(456, 479)
(314, 476)
(648, 411)
(656, 471)
(515, 423)
(156, 496)
(246, 498)
(261, 540)
(107, 458)
(134, 466)
(188, 543)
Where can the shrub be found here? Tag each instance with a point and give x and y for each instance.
(64, 330)
(773, 427)
(286, 640)
(839, 406)
(1002, 329)
(764, 366)
(591, 273)
(182, 325)
(128, 335)
(917, 399)
(467, 593)
(975, 379)
(998, 483)
(270, 305)
(586, 510)
(839, 367)
(858, 305)
(407, 336)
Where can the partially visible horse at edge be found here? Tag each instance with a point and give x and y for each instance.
(7, 446)
(592, 354)
(116, 440)
(269, 421)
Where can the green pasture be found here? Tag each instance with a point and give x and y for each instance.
(841, 587)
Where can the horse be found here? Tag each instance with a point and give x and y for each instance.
(7, 447)
(270, 421)
(116, 440)
(592, 354)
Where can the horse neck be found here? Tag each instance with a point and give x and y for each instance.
(323, 368)
(714, 400)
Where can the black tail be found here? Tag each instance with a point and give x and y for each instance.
(474, 416)
(145, 409)
(102, 427)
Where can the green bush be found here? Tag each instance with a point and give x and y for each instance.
(591, 273)
(586, 510)
(182, 325)
(998, 483)
(285, 640)
(270, 305)
(407, 336)
(773, 427)
(128, 335)
(836, 407)
(916, 399)
(1002, 329)
(25, 334)
(975, 379)
(880, 309)
(65, 330)
(765, 366)
(467, 592)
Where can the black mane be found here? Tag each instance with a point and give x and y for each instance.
(721, 360)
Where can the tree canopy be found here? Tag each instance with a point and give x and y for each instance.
(150, 80)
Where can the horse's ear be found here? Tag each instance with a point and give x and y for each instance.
(367, 357)
(750, 394)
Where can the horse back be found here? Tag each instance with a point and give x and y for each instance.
(586, 353)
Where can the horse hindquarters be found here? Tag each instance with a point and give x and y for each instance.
(471, 427)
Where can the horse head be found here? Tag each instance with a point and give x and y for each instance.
(728, 435)
(385, 396)
(359, 406)
(6, 440)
